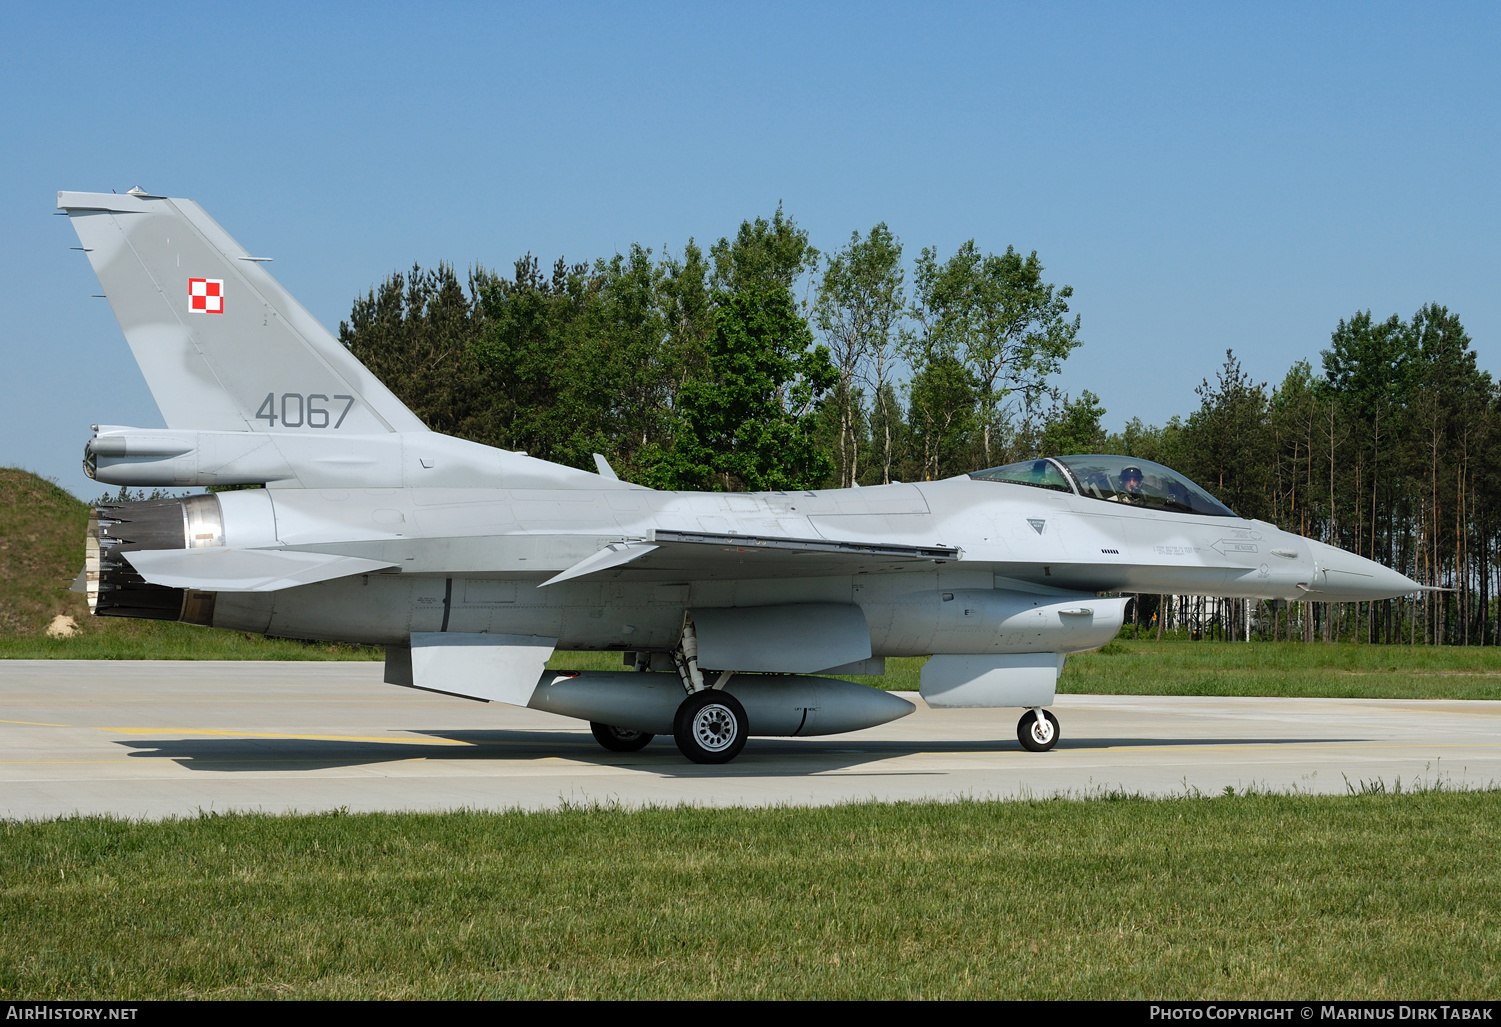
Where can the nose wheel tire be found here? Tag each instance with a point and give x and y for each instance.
(710, 727)
(619, 739)
(1035, 735)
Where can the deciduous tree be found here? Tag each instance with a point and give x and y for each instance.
(860, 300)
(996, 314)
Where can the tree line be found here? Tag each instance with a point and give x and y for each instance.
(761, 363)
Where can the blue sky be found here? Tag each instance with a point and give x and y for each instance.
(1206, 176)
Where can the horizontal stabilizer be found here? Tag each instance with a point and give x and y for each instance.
(244, 570)
(617, 555)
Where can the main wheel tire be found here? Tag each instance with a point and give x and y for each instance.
(1037, 737)
(710, 727)
(619, 739)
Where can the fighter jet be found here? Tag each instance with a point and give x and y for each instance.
(471, 565)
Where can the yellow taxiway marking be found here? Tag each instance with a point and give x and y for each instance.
(223, 733)
(32, 723)
(171, 761)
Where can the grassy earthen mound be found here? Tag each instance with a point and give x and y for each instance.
(41, 552)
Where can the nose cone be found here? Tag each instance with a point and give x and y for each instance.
(1342, 577)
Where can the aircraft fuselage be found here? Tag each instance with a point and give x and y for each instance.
(472, 560)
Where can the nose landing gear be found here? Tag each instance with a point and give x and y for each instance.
(1037, 730)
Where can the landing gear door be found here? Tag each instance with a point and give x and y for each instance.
(1013, 679)
(492, 668)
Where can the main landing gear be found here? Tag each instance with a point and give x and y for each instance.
(1037, 730)
(710, 727)
(619, 739)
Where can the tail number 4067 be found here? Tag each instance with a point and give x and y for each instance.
(294, 410)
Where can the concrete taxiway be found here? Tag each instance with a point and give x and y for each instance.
(156, 739)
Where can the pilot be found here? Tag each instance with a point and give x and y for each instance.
(1130, 480)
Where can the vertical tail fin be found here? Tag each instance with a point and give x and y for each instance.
(221, 344)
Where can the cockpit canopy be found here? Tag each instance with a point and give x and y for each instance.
(1114, 479)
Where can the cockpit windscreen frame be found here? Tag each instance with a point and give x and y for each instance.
(1112, 479)
(1136, 482)
(1043, 473)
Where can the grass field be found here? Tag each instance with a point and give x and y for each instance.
(41, 549)
(119, 639)
(1364, 897)
(1121, 668)
(1328, 670)
(1220, 668)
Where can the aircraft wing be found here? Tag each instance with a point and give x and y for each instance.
(711, 555)
(218, 569)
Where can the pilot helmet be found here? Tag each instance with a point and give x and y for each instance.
(1131, 473)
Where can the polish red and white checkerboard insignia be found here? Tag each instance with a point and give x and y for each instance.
(206, 295)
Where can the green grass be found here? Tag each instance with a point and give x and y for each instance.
(119, 639)
(41, 549)
(1250, 896)
(1330, 670)
(1338, 670)
(1334, 670)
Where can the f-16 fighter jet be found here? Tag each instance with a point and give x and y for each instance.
(471, 565)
